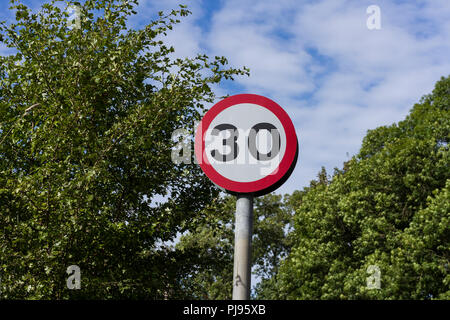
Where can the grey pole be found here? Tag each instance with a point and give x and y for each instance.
(243, 247)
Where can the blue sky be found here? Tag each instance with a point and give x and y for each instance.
(319, 61)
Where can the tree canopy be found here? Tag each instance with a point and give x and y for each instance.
(86, 176)
(388, 207)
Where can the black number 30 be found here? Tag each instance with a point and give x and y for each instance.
(231, 141)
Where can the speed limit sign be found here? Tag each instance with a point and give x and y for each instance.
(246, 144)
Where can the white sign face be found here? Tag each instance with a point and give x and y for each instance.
(246, 144)
(258, 132)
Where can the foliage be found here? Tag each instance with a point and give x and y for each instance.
(388, 207)
(86, 116)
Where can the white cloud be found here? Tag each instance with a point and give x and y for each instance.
(186, 36)
(374, 78)
(246, 33)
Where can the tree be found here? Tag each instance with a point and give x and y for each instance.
(86, 117)
(388, 208)
(210, 247)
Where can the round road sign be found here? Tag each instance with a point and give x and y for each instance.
(246, 144)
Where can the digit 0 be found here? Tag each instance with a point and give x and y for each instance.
(276, 141)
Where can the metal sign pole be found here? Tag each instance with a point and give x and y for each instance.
(245, 114)
(243, 247)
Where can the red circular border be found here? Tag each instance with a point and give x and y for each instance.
(252, 186)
